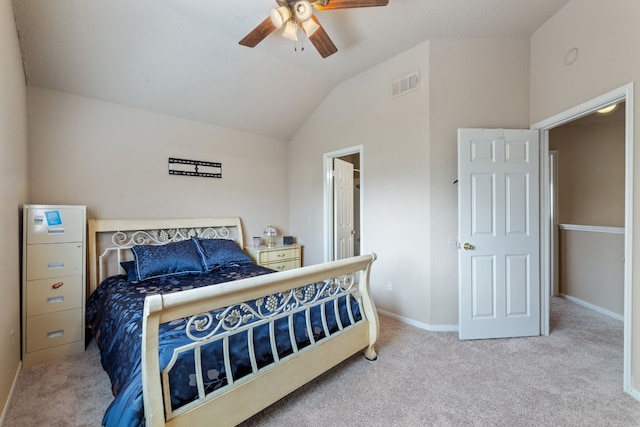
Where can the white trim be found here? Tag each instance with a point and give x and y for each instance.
(554, 256)
(328, 197)
(634, 393)
(593, 307)
(617, 95)
(546, 253)
(14, 385)
(591, 228)
(425, 326)
(624, 93)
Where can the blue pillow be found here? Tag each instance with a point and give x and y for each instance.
(174, 258)
(130, 271)
(218, 253)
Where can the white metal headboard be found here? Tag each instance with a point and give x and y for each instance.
(111, 239)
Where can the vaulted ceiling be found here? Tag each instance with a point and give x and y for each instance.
(182, 57)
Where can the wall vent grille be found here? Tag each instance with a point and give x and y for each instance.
(406, 84)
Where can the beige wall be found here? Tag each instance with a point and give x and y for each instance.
(607, 36)
(592, 264)
(410, 163)
(13, 193)
(590, 174)
(114, 160)
(482, 83)
(394, 178)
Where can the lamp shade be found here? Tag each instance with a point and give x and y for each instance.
(309, 26)
(279, 16)
(302, 10)
(291, 31)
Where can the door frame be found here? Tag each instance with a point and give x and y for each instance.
(327, 159)
(624, 93)
(554, 256)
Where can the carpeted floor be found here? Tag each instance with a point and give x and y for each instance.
(571, 378)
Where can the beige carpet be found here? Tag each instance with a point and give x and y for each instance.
(571, 378)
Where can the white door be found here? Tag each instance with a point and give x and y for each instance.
(343, 208)
(498, 228)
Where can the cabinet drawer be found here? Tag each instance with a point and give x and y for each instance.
(49, 330)
(49, 295)
(55, 260)
(54, 225)
(283, 265)
(279, 255)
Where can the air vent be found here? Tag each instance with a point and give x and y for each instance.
(405, 84)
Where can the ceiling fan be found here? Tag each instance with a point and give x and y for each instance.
(292, 14)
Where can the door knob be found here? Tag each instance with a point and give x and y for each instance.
(467, 246)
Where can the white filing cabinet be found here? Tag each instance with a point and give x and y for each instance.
(53, 282)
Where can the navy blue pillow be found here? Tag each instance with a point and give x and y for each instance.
(130, 270)
(218, 253)
(166, 260)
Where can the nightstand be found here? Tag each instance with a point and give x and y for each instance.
(53, 282)
(279, 257)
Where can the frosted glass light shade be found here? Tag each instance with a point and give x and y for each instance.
(608, 109)
(291, 31)
(309, 26)
(303, 10)
(279, 16)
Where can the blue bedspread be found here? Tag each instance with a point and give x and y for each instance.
(114, 314)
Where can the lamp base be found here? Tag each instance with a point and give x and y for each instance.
(270, 242)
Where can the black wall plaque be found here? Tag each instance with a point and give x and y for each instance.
(194, 168)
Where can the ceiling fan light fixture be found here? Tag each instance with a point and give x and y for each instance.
(279, 16)
(290, 31)
(309, 26)
(302, 10)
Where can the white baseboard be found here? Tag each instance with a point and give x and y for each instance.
(425, 326)
(454, 328)
(13, 389)
(634, 393)
(593, 307)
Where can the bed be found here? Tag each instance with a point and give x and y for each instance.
(191, 332)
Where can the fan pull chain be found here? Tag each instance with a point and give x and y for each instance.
(295, 48)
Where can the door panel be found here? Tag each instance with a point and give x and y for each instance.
(483, 286)
(343, 209)
(498, 203)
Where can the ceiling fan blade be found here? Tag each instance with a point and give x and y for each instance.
(259, 33)
(321, 40)
(348, 4)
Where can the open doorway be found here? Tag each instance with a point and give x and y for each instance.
(343, 195)
(587, 186)
(623, 94)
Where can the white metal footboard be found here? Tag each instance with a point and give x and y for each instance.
(277, 296)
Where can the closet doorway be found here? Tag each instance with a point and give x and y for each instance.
(343, 203)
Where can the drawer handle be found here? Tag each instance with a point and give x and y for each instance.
(57, 230)
(55, 334)
(280, 255)
(57, 285)
(54, 300)
(280, 267)
(59, 264)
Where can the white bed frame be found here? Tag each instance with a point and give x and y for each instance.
(109, 243)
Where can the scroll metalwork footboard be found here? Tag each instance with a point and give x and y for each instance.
(298, 312)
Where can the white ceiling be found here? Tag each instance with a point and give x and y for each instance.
(182, 57)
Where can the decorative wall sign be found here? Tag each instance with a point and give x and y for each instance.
(194, 168)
